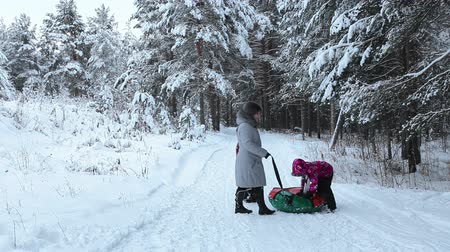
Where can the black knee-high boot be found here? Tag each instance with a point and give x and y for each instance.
(259, 196)
(324, 189)
(241, 194)
(251, 197)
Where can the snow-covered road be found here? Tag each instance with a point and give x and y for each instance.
(197, 214)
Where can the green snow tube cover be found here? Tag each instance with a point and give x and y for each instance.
(287, 200)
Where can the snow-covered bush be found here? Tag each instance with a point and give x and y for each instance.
(189, 127)
(105, 99)
(175, 143)
(149, 115)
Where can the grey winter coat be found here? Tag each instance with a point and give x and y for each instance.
(249, 168)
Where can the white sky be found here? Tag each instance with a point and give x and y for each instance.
(37, 9)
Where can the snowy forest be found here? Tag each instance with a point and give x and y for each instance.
(368, 81)
(374, 70)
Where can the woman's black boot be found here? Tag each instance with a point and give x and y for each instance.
(251, 197)
(259, 195)
(239, 205)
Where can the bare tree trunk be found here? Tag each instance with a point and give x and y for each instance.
(339, 124)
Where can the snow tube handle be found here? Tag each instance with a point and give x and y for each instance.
(276, 172)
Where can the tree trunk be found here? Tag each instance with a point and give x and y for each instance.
(372, 137)
(173, 105)
(304, 117)
(318, 119)
(444, 133)
(228, 112)
(291, 117)
(286, 117)
(362, 140)
(412, 148)
(202, 109)
(218, 114)
(232, 118)
(267, 114)
(310, 119)
(413, 153)
(339, 124)
(389, 143)
(212, 106)
(332, 116)
(404, 137)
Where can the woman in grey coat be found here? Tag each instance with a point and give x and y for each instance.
(250, 176)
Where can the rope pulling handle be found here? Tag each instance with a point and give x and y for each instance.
(277, 174)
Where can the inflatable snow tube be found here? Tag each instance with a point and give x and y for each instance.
(287, 200)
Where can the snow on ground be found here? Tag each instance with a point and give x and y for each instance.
(72, 182)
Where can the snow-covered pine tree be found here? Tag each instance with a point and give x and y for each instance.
(406, 78)
(62, 48)
(373, 56)
(203, 34)
(107, 56)
(126, 77)
(253, 79)
(188, 125)
(6, 89)
(142, 80)
(303, 28)
(3, 35)
(431, 73)
(148, 114)
(150, 51)
(23, 54)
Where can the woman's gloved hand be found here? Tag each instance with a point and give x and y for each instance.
(267, 155)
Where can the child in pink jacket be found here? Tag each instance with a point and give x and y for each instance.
(320, 173)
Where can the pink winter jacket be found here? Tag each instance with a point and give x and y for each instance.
(314, 170)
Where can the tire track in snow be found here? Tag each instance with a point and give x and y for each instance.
(197, 219)
(152, 217)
